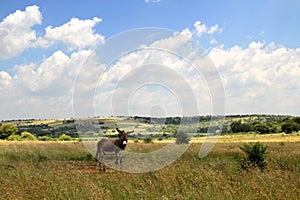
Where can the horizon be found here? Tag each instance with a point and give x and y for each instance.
(153, 117)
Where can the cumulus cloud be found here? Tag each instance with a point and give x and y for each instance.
(203, 29)
(153, 76)
(260, 78)
(16, 31)
(75, 34)
(42, 89)
(5, 78)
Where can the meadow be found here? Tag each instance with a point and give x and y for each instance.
(66, 170)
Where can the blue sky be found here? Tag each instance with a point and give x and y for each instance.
(240, 19)
(270, 27)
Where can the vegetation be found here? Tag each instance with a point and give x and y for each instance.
(24, 136)
(147, 140)
(256, 155)
(238, 126)
(290, 126)
(146, 127)
(262, 128)
(65, 137)
(7, 130)
(65, 170)
(182, 138)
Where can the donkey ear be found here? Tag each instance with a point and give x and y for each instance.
(118, 130)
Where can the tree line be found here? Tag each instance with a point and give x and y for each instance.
(262, 124)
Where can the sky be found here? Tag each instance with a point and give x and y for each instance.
(49, 58)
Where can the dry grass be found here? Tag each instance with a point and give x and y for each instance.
(238, 138)
(63, 170)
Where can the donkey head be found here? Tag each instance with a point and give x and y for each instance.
(122, 141)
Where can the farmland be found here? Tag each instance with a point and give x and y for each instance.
(163, 128)
(66, 170)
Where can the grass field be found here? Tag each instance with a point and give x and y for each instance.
(65, 170)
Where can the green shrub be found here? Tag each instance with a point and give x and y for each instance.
(182, 138)
(27, 136)
(238, 126)
(65, 137)
(14, 138)
(24, 136)
(290, 126)
(147, 140)
(7, 130)
(262, 128)
(256, 155)
(45, 138)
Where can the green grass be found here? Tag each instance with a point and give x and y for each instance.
(65, 170)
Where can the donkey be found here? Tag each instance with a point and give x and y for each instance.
(112, 146)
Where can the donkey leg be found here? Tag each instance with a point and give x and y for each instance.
(119, 156)
(117, 160)
(121, 161)
(101, 161)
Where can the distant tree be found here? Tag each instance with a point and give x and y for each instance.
(246, 127)
(289, 126)
(238, 126)
(24, 136)
(297, 120)
(13, 138)
(262, 128)
(64, 137)
(182, 137)
(27, 136)
(7, 130)
(147, 140)
(275, 128)
(45, 138)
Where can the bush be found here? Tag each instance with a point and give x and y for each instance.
(24, 136)
(7, 130)
(65, 137)
(147, 140)
(27, 136)
(45, 138)
(182, 138)
(14, 138)
(256, 155)
(275, 128)
(289, 127)
(238, 126)
(262, 128)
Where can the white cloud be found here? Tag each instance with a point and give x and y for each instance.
(16, 31)
(41, 90)
(5, 79)
(75, 34)
(154, 65)
(201, 29)
(213, 29)
(260, 78)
